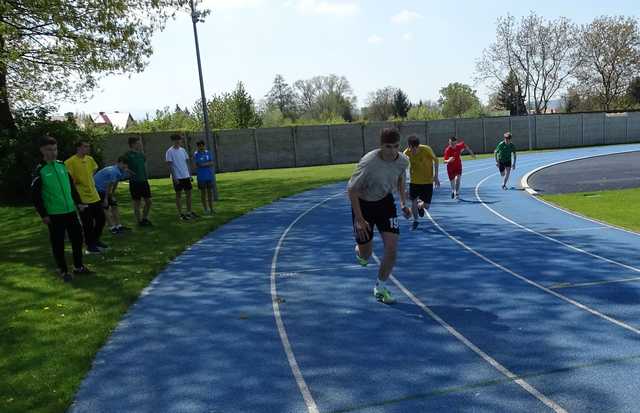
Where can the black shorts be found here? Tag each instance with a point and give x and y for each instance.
(503, 165)
(182, 185)
(205, 184)
(139, 190)
(422, 191)
(111, 202)
(381, 214)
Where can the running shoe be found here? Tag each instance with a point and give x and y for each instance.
(82, 271)
(421, 212)
(193, 215)
(66, 277)
(383, 295)
(453, 195)
(362, 261)
(185, 217)
(146, 223)
(93, 250)
(102, 245)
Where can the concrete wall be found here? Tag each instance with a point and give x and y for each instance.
(241, 149)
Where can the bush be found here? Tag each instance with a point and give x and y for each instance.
(20, 152)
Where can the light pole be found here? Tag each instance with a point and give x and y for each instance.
(196, 18)
(529, 104)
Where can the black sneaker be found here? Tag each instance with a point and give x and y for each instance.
(82, 271)
(66, 277)
(102, 245)
(114, 231)
(94, 250)
(453, 195)
(147, 222)
(193, 215)
(185, 217)
(421, 212)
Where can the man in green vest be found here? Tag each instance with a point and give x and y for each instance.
(55, 198)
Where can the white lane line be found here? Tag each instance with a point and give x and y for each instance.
(589, 284)
(557, 241)
(550, 231)
(533, 283)
(524, 182)
(487, 358)
(293, 364)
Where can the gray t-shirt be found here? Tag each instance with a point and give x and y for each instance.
(375, 178)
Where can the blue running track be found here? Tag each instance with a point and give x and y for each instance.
(505, 304)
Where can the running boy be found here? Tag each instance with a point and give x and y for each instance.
(107, 180)
(503, 158)
(370, 188)
(56, 199)
(204, 163)
(454, 163)
(424, 175)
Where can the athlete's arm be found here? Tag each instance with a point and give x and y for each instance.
(514, 160)
(473, 155)
(405, 209)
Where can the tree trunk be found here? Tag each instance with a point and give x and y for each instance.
(6, 118)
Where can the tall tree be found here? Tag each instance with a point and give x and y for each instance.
(282, 97)
(325, 97)
(541, 54)
(510, 97)
(380, 103)
(458, 98)
(401, 104)
(634, 90)
(242, 108)
(58, 49)
(610, 56)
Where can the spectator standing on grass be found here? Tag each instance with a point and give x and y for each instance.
(139, 187)
(57, 201)
(178, 162)
(81, 167)
(106, 180)
(204, 162)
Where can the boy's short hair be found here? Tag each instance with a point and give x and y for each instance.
(133, 140)
(507, 135)
(453, 138)
(389, 135)
(123, 159)
(413, 141)
(48, 140)
(200, 142)
(176, 137)
(81, 142)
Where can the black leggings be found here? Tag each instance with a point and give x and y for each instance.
(58, 225)
(93, 223)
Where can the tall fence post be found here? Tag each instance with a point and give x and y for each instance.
(484, 137)
(255, 142)
(330, 137)
(293, 145)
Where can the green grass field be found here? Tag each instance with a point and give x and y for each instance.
(614, 207)
(51, 331)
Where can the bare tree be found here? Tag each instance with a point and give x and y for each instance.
(541, 55)
(610, 55)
